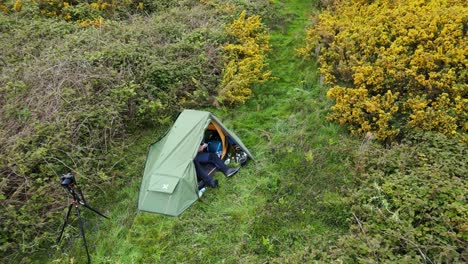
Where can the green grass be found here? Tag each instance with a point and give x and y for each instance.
(285, 206)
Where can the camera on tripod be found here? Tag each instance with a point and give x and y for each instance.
(67, 180)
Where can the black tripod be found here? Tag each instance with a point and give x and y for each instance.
(78, 199)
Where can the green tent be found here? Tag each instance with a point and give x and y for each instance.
(170, 182)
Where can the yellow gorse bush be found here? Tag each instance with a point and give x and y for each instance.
(394, 64)
(18, 5)
(3, 7)
(86, 13)
(245, 59)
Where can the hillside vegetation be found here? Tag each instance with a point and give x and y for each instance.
(282, 207)
(86, 86)
(397, 70)
(76, 77)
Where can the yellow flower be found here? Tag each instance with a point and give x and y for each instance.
(18, 5)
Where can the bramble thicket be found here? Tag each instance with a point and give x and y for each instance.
(394, 65)
(78, 76)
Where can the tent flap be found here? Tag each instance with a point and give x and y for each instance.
(164, 184)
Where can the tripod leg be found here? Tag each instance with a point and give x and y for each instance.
(82, 201)
(83, 233)
(94, 210)
(81, 194)
(65, 221)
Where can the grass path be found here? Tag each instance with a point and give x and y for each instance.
(285, 206)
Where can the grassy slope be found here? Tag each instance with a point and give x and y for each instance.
(285, 206)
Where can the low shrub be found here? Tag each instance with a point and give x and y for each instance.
(409, 203)
(394, 65)
(245, 59)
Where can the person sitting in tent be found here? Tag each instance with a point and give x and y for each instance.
(212, 158)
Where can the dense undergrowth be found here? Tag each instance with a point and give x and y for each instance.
(398, 70)
(70, 91)
(409, 203)
(313, 194)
